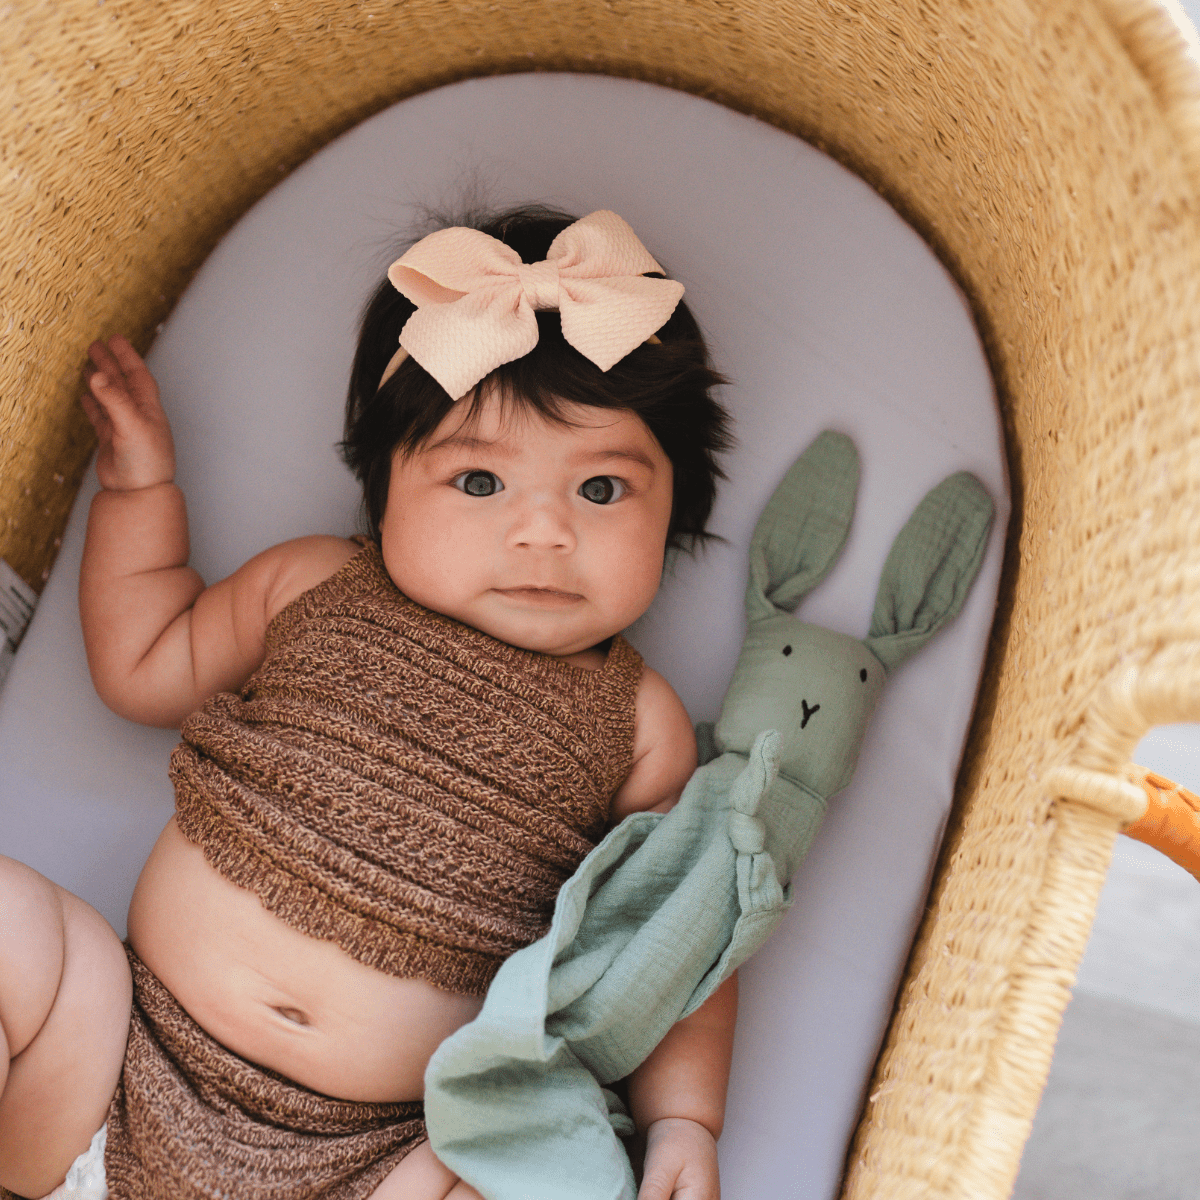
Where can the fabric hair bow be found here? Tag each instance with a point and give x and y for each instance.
(475, 298)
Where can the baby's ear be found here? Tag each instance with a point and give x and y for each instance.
(930, 568)
(803, 528)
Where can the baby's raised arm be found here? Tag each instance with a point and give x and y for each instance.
(159, 642)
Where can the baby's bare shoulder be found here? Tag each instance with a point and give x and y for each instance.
(658, 703)
(293, 568)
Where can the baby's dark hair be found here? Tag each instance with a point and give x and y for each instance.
(667, 385)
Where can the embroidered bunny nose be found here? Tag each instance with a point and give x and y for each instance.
(539, 282)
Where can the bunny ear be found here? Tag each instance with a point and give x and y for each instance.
(804, 526)
(930, 568)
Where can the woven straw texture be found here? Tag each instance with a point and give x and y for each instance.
(1048, 150)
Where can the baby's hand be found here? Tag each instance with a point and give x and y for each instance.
(681, 1162)
(136, 448)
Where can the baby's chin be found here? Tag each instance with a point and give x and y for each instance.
(553, 625)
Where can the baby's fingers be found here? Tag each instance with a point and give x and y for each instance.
(686, 1183)
(659, 1185)
(122, 370)
(681, 1162)
(136, 448)
(105, 381)
(109, 405)
(137, 375)
(96, 414)
(104, 361)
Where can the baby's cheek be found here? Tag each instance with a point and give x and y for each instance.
(634, 576)
(418, 560)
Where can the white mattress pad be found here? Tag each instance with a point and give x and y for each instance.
(823, 308)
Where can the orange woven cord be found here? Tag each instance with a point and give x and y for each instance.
(1171, 822)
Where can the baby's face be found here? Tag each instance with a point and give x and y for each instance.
(549, 537)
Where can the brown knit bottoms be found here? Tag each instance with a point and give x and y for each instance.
(193, 1120)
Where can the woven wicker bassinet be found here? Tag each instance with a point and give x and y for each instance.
(1048, 150)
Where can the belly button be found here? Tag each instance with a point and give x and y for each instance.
(294, 1015)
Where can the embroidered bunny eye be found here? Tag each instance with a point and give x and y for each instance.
(863, 674)
(602, 489)
(478, 483)
(786, 651)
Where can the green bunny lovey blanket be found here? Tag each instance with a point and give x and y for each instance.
(667, 906)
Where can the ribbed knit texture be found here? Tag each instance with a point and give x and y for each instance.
(193, 1121)
(402, 784)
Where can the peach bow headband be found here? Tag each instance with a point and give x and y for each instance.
(475, 298)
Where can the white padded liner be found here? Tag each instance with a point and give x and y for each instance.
(822, 307)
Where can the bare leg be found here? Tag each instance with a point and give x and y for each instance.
(65, 994)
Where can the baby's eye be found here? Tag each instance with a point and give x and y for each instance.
(602, 489)
(478, 483)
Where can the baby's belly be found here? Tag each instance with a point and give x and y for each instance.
(301, 1006)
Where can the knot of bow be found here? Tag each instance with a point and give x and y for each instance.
(476, 299)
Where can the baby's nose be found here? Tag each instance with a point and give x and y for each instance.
(543, 526)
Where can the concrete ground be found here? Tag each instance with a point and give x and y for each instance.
(1120, 1117)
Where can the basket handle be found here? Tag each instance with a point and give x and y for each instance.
(1171, 822)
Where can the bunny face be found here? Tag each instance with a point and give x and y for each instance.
(816, 686)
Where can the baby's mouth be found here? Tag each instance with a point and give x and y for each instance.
(547, 597)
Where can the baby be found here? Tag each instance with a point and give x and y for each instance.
(395, 748)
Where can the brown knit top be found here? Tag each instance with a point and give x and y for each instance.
(402, 784)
